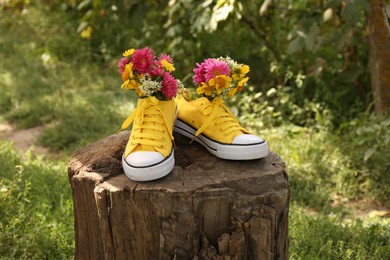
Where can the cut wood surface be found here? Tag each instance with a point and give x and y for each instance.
(206, 208)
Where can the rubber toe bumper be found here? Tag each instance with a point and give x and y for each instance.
(147, 166)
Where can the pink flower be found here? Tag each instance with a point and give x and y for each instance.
(166, 57)
(200, 72)
(214, 68)
(208, 69)
(121, 64)
(169, 85)
(156, 71)
(143, 60)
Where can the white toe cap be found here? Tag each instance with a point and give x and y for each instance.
(247, 139)
(144, 158)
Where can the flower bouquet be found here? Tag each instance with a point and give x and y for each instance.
(221, 77)
(147, 74)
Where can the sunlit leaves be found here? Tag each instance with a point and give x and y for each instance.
(369, 152)
(327, 15)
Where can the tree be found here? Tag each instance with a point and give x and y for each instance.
(379, 55)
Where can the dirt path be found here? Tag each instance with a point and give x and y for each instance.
(23, 139)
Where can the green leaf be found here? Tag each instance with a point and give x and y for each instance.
(369, 153)
(271, 92)
(83, 4)
(364, 4)
(327, 15)
(295, 45)
(301, 34)
(311, 37)
(223, 12)
(82, 26)
(351, 12)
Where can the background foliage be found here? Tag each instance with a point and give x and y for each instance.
(309, 96)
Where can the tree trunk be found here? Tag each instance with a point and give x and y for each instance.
(379, 55)
(206, 208)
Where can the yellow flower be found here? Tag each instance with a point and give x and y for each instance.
(168, 66)
(238, 74)
(132, 84)
(244, 70)
(125, 75)
(241, 83)
(220, 82)
(232, 92)
(128, 72)
(86, 33)
(125, 84)
(205, 89)
(139, 92)
(129, 52)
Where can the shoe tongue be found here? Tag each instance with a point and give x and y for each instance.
(144, 147)
(148, 120)
(157, 120)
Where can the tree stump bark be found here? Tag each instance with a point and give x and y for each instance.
(206, 208)
(379, 55)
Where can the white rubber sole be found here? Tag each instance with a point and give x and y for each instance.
(222, 150)
(149, 173)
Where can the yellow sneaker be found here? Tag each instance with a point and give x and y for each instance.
(149, 152)
(211, 124)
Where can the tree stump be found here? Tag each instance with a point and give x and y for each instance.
(206, 208)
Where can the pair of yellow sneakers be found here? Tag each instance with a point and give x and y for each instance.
(149, 153)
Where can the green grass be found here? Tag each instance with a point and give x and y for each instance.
(36, 217)
(49, 77)
(322, 236)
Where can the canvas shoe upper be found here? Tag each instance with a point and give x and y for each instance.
(213, 125)
(149, 152)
